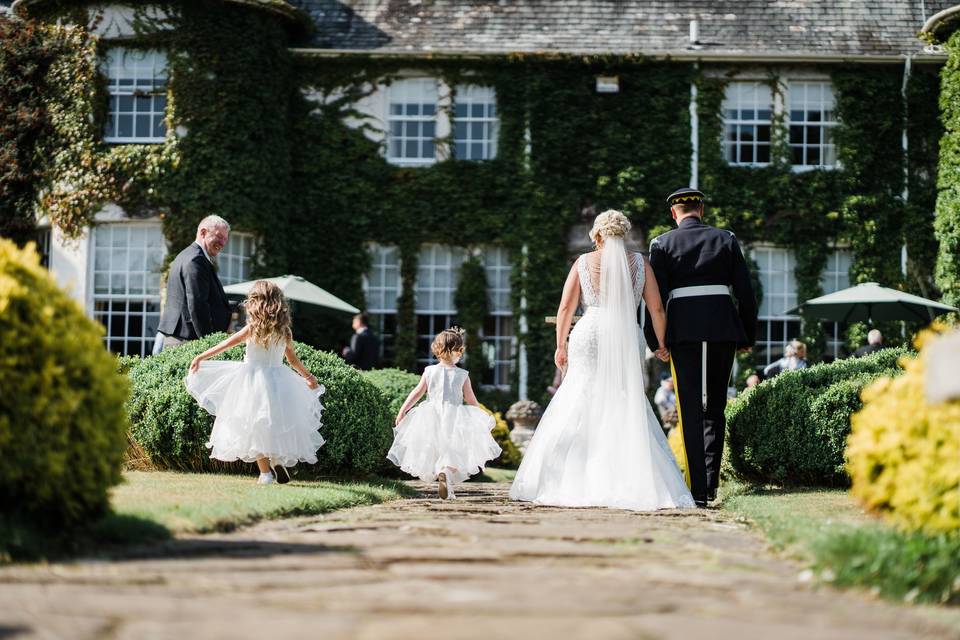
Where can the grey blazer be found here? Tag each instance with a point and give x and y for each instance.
(196, 304)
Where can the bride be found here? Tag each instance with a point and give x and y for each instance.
(599, 443)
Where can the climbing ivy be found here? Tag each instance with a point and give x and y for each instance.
(260, 136)
(948, 200)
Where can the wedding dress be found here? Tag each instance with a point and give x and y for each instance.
(442, 434)
(599, 442)
(263, 408)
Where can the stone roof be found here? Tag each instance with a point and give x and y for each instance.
(813, 29)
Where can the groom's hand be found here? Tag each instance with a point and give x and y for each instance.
(662, 354)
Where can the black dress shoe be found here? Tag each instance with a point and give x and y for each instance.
(281, 473)
(711, 495)
(701, 503)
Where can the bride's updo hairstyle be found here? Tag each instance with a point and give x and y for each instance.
(609, 224)
(268, 314)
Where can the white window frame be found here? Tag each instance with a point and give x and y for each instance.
(438, 274)
(500, 342)
(799, 98)
(771, 314)
(135, 75)
(112, 278)
(746, 99)
(382, 285)
(235, 261)
(836, 276)
(407, 94)
(480, 103)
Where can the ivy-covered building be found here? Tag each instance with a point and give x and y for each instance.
(437, 161)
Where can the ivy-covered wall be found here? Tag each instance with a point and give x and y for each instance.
(248, 142)
(948, 201)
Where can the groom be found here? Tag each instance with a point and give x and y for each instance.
(711, 312)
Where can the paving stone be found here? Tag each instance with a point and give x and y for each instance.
(478, 567)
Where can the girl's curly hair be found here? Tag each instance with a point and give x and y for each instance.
(448, 342)
(268, 314)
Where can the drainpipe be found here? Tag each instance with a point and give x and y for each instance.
(522, 368)
(905, 142)
(694, 131)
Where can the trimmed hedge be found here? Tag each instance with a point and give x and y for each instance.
(169, 426)
(792, 429)
(62, 425)
(396, 385)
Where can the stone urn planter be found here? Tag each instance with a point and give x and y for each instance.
(524, 415)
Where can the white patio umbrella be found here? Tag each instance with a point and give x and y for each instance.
(299, 289)
(869, 301)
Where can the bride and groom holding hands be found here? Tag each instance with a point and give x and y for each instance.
(599, 442)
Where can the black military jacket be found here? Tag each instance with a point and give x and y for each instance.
(697, 254)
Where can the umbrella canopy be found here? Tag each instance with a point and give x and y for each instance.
(870, 301)
(297, 288)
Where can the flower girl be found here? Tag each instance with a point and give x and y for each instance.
(444, 439)
(265, 412)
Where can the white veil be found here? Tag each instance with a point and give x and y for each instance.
(624, 430)
(599, 442)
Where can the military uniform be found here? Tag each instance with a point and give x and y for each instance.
(711, 312)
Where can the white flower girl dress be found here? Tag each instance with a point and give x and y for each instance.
(442, 434)
(263, 408)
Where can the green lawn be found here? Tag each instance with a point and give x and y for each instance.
(153, 505)
(199, 503)
(826, 530)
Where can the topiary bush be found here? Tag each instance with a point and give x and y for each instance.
(62, 424)
(172, 430)
(395, 384)
(904, 453)
(792, 429)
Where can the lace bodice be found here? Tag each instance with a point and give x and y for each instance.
(445, 384)
(259, 355)
(590, 281)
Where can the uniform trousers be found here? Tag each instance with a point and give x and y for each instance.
(702, 430)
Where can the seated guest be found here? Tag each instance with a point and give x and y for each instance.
(665, 398)
(794, 357)
(874, 344)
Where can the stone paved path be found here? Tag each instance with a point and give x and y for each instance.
(477, 567)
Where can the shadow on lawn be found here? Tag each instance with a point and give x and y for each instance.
(12, 632)
(21, 542)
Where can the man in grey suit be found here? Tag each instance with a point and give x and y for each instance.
(196, 304)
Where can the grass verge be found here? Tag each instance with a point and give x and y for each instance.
(152, 506)
(828, 531)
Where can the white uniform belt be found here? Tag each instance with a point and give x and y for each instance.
(700, 290)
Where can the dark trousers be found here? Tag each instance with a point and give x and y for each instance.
(702, 430)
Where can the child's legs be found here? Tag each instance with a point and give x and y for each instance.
(263, 464)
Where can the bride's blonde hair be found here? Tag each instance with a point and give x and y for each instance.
(268, 314)
(609, 224)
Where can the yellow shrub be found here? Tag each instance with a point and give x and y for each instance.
(62, 423)
(511, 456)
(903, 454)
(676, 445)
